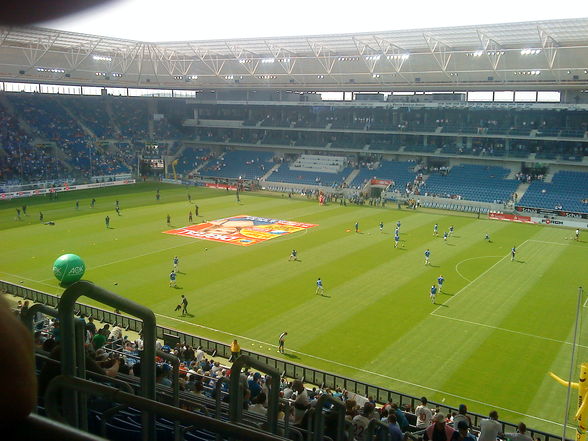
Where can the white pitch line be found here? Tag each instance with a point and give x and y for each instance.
(25, 278)
(465, 260)
(366, 371)
(114, 262)
(526, 334)
(545, 241)
(481, 275)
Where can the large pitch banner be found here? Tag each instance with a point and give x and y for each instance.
(241, 230)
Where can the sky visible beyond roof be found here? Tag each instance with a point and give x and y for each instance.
(181, 20)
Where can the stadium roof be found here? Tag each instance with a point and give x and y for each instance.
(551, 54)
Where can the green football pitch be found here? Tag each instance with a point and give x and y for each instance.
(497, 329)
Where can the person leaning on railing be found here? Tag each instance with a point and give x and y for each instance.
(235, 351)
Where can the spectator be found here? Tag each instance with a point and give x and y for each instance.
(489, 427)
(235, 350)
(462, 433)
(462, 416)
(520, 434)
(360, 422)
(395, 432)
(91, 327)
(255, 385)
(438, 430)
(115, 334)
(423, 414)
(301, 403)
(258, 404)
(98, 340)
(400, 417)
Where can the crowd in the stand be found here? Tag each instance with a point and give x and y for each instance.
(110, 352)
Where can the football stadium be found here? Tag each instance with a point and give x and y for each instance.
(354, 236)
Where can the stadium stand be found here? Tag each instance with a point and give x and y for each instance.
(568, 191)
(472, 182)
(400, 173)
(191, 158)
(239, 164)
(329, 171)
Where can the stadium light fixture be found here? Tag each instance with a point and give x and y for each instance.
(398, 57)
(192, 77)
(529, 51)
(495, 53)
(50, 70)
(101, 58)
(320, 77)
(268, 60)
(100, 74)
(117, 74)
(375, 75)
(229, 77)
(178, 77)
(477, 53)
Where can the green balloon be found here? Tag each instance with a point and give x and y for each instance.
(69, 268)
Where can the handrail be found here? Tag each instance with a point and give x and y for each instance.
(66, 308)
(237, 431)
(34, 425)
(236, 403)
(319, 417)
(175, 361)
(291, 370)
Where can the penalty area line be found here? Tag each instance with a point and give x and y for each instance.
(365, 371)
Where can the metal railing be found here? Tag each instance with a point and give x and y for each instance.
(288, 369)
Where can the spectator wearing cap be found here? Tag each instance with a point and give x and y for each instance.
(490, 427)
(462, 416)
(463, 433)
(520, 434)
(438, 430)
(255, 385)
(423, 414)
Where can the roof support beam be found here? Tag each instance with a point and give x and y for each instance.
(493, 50)
(549, 45)
(440, 51)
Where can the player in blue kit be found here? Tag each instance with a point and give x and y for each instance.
(440, 281)
(398, 225)
(436, 230)
(445, 236)
(176, 264)
(172, 279)
(451, 230)
(433, 293)
(427, 257)
(319, 287)
(396, 240)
